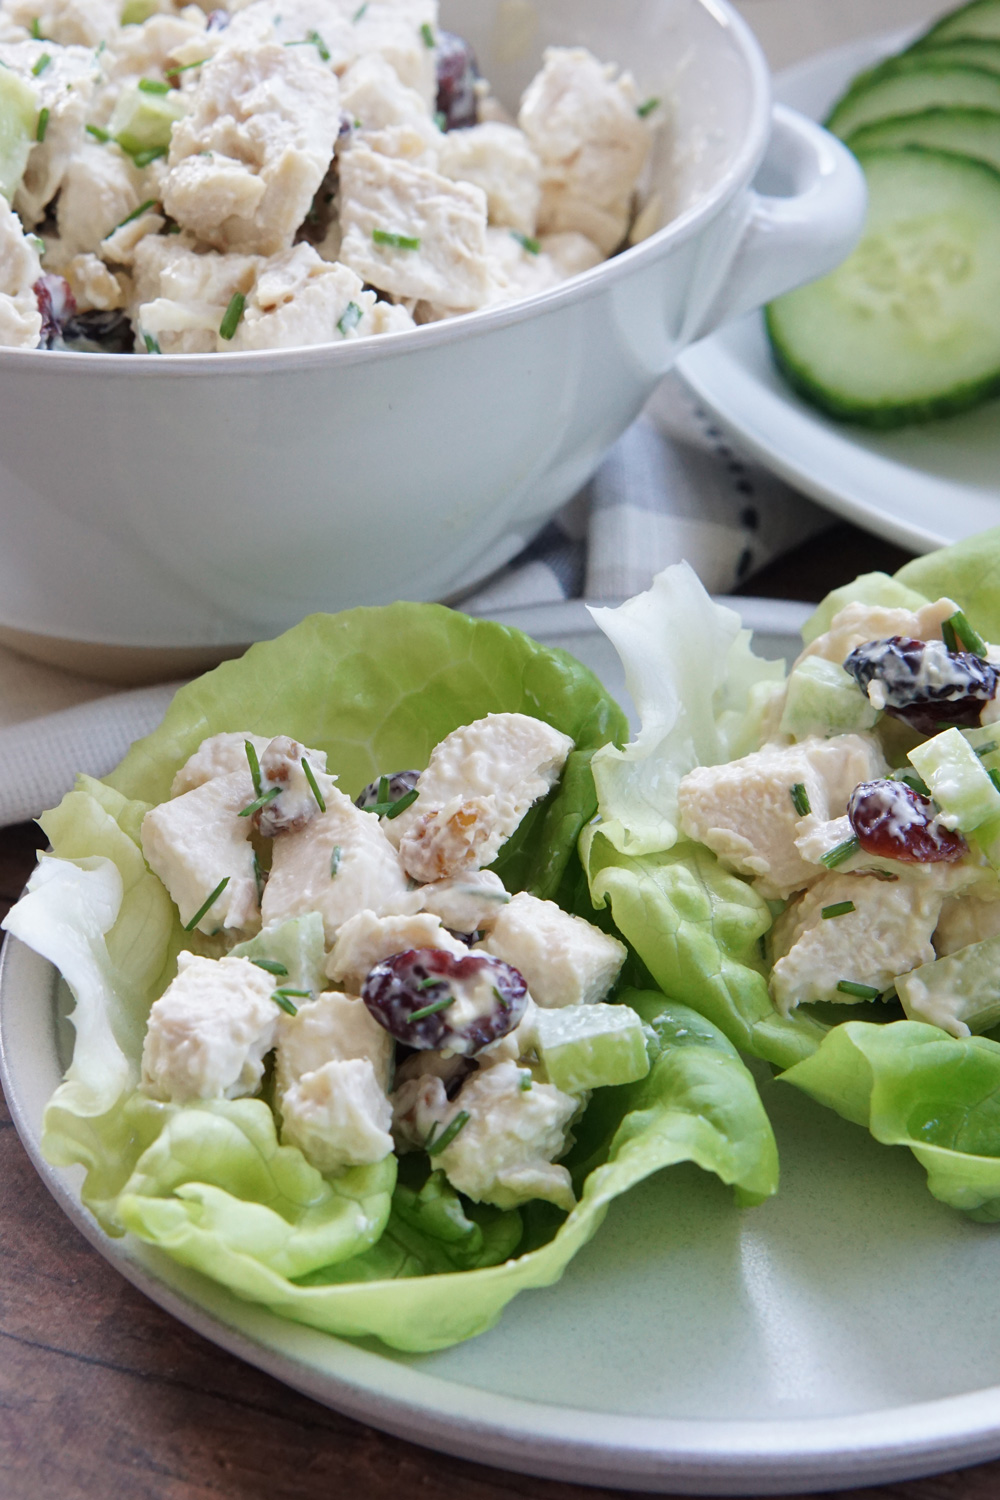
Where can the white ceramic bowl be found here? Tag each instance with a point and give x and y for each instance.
(194, 501)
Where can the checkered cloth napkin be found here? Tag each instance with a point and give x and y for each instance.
(672, 488)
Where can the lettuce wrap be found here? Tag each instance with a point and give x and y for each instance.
(700, 929)
(365, 1251)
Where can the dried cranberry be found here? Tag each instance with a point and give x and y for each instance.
(892, 821)
(395, 786)
(463, 1002)
(925, 684)
(217, 20)
(99, 333)
(57, 305)
(457, 102)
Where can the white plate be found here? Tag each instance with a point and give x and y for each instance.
(841, 1334)
(922, 486)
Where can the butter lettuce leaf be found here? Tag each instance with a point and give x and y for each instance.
(912, 1085)
(969, 573)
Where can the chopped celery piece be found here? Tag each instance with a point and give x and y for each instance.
(822, 698)
(958, 781)
(960, 993)
(143, 122)
(297, 945)
(18, 125)
(590, 1046)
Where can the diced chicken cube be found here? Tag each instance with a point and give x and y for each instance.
(147, 50)
(503, 1153)
(581, 119)
(858, 622)
(518, 269)
(332, 1028)
(394, 28)
(411, 232)
(481, 780)
(246, 161)
(744, 812)
(64, 87)
(83, 23)
(219, 755)
(500, 160)
(181, 296)
(372, 95)
(888, 932)
(94, 287)
(209, 1031)
(20, 320)
(197, 840)
(470, 902)
(365, 940)
(301, 299)
(100, 187)
(565, 960)
(338, 1115)
(119, 247)
(340, 864)
(571, 252)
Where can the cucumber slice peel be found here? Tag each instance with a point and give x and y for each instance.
(970, 132)
(908, 327)
(882, 95)
(979, 18)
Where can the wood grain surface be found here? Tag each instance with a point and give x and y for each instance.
(105, 1397)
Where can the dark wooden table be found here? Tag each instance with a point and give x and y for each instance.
(103, 1395)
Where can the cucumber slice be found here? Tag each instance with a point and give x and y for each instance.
(143, 122)
(979, 18)
(970, 51)
(883, 95)
(18, 124)
(821, 698)
(957, 779)
(909, 326)
(970, 132)
(960, 993)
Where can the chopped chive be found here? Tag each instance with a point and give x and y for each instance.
(259, 802)
(948, 635)
(135, 214)
(153, 86)
(153, 153)
(836, 856)
(448, 1134)
(184, 68)
(913, 781)
(258, 878)
(396, 241)
(838, 909)
(313, 786)
(288, 1006)
(360, 12)
(172, 229)
(995, 778)
(383, 789)
(97, 133)
(286, 989)
(36, 29)
(350, 318)
(254, 765)
(883, 874)
(41, 64)
(190, 926)
(800, 797)
(526, 1082)
(430, 1135)
(43, 124)
(970, 639)
(233, 314)
(428, 35)
(432, 1009)
(441, 120)
(402, 803)
(501, 1000)
(336, 855)
(425, 984)
(152, 344)
(38, 243)
(988, 748)
(319, 44)
(861, 991)
(270, 966)
(647, 107)
(526, 242)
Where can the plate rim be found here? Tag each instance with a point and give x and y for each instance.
(660, 1455)
(704, 368)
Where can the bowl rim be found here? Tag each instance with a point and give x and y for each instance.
(484, 320)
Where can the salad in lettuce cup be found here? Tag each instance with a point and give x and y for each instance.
(210, 1173)
(811, 861)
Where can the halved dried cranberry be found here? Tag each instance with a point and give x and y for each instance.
(457, 103)
(923, 683)
(432, 999)
(892, 821)
(57, 305)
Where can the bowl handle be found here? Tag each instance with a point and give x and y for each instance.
(805, 215)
